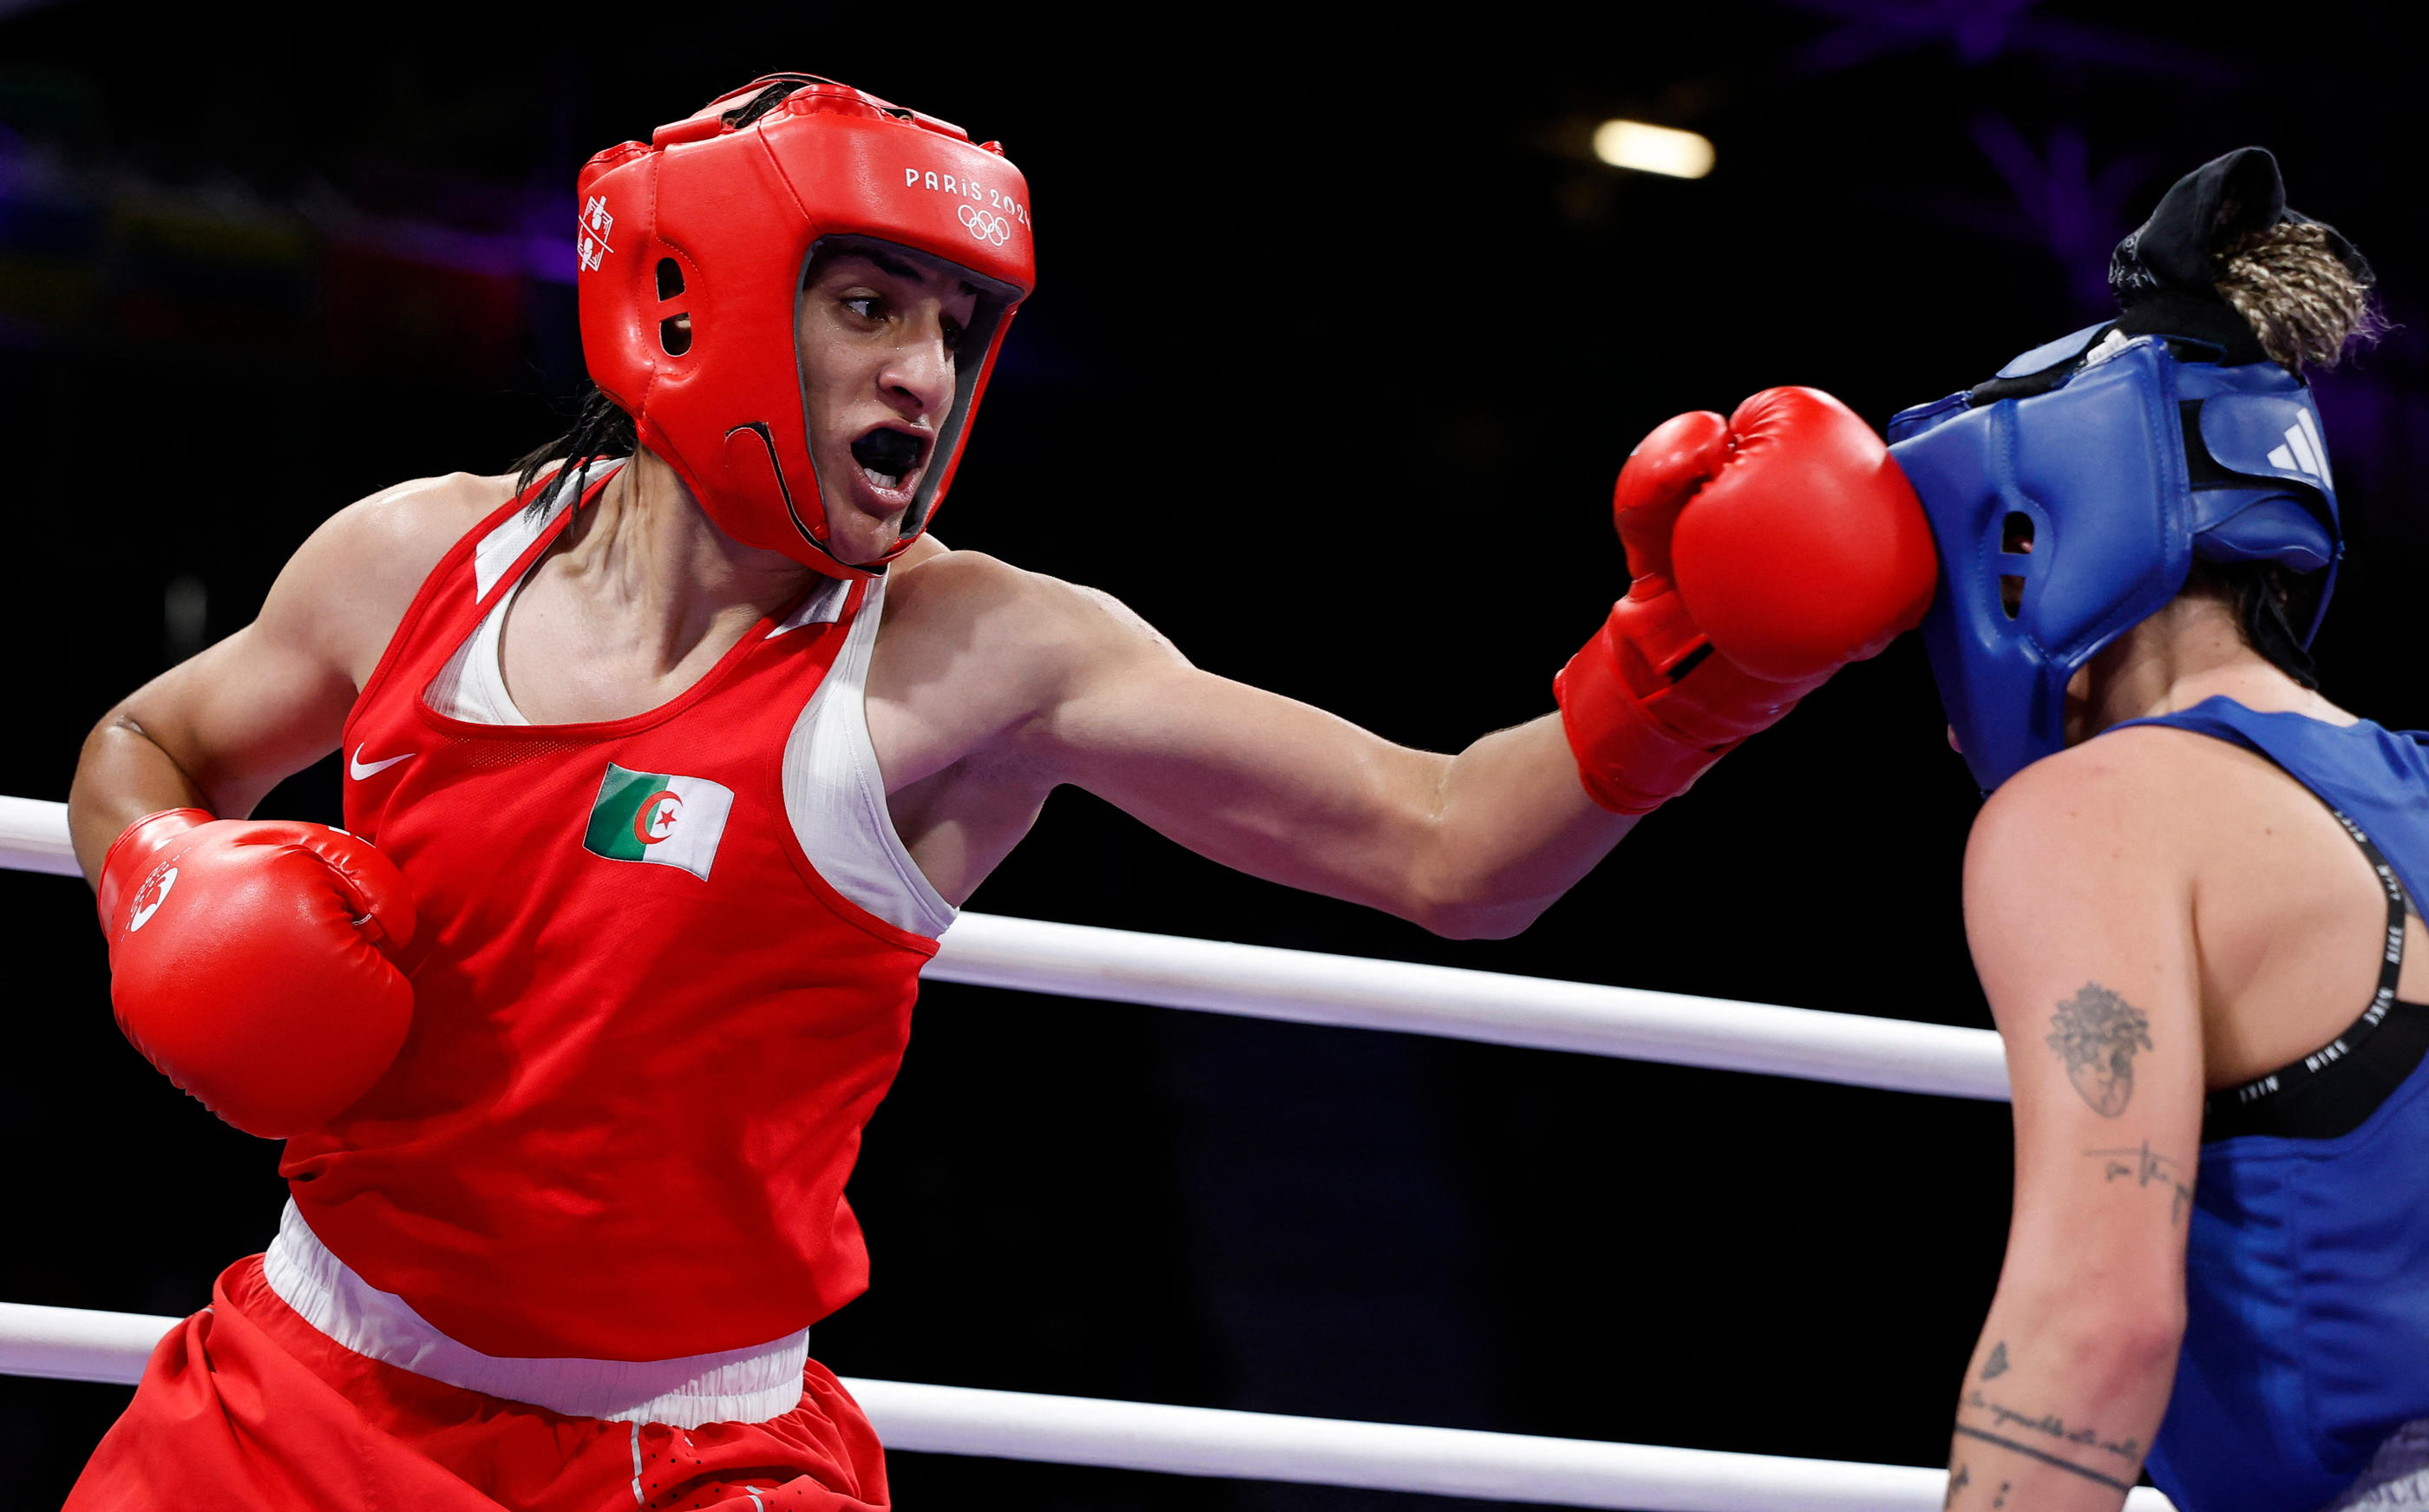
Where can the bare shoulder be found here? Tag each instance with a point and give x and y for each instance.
(976, 657)
(404, 529)
(2127, 790)
(2124, 812)
(1018, 621)
(350, 582)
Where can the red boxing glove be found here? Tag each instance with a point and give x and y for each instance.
(1767, 551)
(251, 963)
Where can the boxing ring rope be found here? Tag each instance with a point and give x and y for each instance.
(1305, 987)
(1353, 991)
(34, 837)
(68, 1344)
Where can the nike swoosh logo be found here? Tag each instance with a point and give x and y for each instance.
(360, 771)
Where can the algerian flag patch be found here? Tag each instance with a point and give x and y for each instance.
(675, 821)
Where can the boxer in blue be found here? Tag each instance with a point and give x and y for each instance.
(2188, 894)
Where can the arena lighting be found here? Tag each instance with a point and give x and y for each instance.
(1651, 149)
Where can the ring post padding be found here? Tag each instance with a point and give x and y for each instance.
(64, 1343)
(34, 837)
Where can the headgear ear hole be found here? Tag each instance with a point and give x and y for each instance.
(2016, 539)
(2011, 594)
(669, 278)
(674, 334)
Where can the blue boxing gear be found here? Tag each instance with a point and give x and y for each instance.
(2306, 1338)
(2068, 498)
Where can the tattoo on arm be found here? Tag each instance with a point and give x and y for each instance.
(2044, 1436)
(2030, 1453)
(2145, 1168)
(2051, 1426)
(2096, 1033)
(1996, 1365)
(1961, 1477)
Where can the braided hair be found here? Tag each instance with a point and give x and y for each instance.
(2299, 298)
(2307, 303)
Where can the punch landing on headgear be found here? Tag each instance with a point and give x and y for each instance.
(693, 250)
(2070, 495)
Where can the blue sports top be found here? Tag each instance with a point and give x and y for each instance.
(2306, 1276)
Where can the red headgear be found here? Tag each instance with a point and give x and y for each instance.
(717, 223)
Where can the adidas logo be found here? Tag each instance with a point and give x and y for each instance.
(2304, 452)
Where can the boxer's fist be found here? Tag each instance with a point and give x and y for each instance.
(251, 963)
(1807, 550)
(1765, 552)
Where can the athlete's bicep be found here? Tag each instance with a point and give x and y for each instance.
(2079, 910)
(242, 715)
(2080, 918)
(270, 699)
(1259, 781)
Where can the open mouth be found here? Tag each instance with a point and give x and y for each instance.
(888, 458)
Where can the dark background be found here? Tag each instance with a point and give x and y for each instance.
(1340, 339)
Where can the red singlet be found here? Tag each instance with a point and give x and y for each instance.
(646, 1033)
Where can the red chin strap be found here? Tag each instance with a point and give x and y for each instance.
(717, 222)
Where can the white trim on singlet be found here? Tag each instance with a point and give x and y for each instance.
(749, 1385)
(513, 537)
(473, 686)
(823, 606)
(835, 796)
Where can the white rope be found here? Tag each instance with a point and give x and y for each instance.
(70, 1344)
(66, 1345)
(1302, 986)
(34, 837)
(1306, 987)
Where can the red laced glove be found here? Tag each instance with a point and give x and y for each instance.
(251, 962)
(1767, 551)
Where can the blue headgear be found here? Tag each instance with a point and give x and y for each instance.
(2069, 494)
(2072, 509)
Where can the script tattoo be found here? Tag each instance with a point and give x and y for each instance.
(1996, 1365)
(2145, 1168)
(1957, 1483)
(2096, 1033)
(2046, 1426)
(2045, 1458)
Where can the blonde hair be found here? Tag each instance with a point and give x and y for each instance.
(2299, 297)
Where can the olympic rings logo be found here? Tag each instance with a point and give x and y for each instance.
(986, 225)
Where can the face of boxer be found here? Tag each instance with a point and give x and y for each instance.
(882, 332)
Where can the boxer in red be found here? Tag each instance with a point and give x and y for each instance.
(667, 762)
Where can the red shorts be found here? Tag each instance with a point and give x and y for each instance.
(246, 1407)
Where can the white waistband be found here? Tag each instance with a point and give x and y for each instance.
(2397, 1477)
(736, 1386)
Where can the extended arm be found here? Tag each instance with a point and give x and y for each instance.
(1767, 550)
(2080, 917)
(1474, 844)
